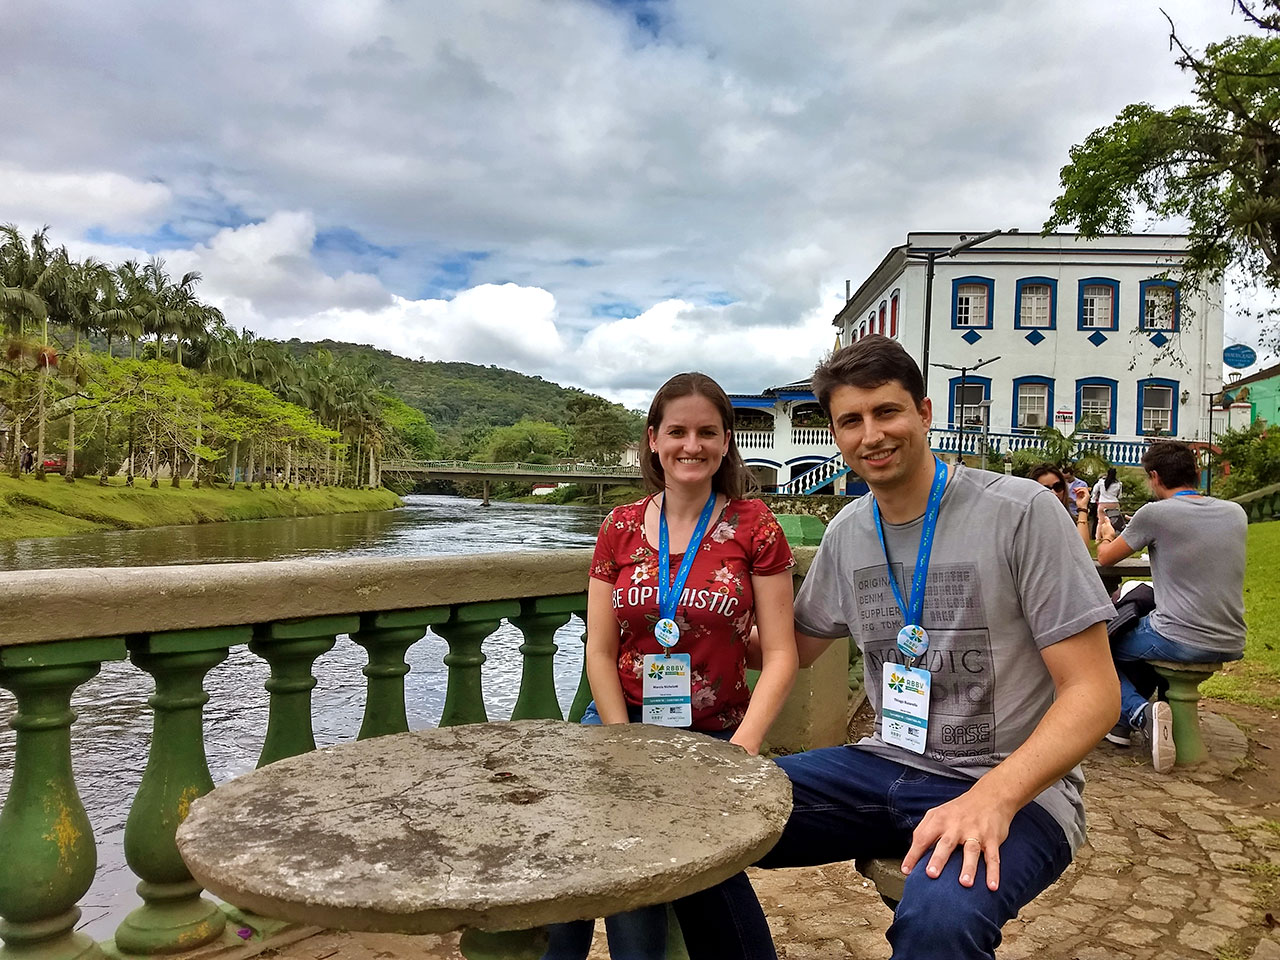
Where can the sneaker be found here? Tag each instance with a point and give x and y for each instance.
(1119, 735)
(1156, 728)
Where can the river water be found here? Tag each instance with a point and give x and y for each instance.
(113, 728)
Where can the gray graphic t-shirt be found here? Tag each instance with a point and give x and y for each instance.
(1008, 576)
(1197, 549)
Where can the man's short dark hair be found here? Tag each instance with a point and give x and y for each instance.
(871, 362)
(1175, 463)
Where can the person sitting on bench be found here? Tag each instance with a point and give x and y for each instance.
(1197, 549)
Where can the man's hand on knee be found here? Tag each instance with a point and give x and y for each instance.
(972, 823)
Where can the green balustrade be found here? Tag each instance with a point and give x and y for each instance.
(174, 916)
(503, 945)
(539, 620)
(47, 851)
(387, 637)
(465, 631)
(583, 695)
(291, 648)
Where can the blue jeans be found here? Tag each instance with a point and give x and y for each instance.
(1144, 643)
(639, 934)
(846, 804)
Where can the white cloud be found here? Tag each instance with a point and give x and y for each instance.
(548, 186)
(80, 200)
(506, 325)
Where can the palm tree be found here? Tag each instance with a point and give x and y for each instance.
(32, 278)
(88, 285)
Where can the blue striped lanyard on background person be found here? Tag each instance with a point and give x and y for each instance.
(665, 630)
(912, 638)
(1187, 493)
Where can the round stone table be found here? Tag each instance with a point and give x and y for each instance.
(491, 827)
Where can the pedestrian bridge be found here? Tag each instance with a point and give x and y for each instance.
(476, 470)
(584, 473)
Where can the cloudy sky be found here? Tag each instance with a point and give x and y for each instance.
(599, 193)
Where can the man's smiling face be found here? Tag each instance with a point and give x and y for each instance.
(883, 435)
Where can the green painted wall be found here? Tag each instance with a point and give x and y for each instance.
(1265, 397)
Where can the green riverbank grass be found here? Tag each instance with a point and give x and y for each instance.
(29, 508)
(1255, 680)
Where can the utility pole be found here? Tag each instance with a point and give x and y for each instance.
(1208, 483)
(964, 382)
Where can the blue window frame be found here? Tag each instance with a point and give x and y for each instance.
(1090, 399)
(1019, 414)
(972, 385)
(1035, 304)
(1158, 303)
(972, 303)
(1098, 305)
(1157, 407)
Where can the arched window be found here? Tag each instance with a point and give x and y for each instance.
(1159, 305)
(1157, 407)
(1032, 403)
(1096, 405)
(1099, 304)
(972, 302)
(893, 315)
(1036, 304)
(883, 310)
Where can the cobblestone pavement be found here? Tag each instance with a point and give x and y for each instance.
(1173, 869)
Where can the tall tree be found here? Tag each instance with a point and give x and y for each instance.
(1214, 162)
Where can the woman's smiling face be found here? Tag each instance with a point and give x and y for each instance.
(690, 441)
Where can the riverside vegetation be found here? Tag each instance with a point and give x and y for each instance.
(121, 371)
(52, 509)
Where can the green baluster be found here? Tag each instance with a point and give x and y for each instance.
(583, 695)
(291, 647)
(173, 916)
(47, 851)
(465, 631)
(503, 945)
(539, 620)
(386, 637)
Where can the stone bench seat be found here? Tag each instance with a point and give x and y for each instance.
(885, 874)
(1183, 695)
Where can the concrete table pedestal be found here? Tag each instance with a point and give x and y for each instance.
(499, 828)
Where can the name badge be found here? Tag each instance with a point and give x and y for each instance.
(904, 707)
(667, 690)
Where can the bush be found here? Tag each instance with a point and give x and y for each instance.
(1024, 460)
(1254, 457)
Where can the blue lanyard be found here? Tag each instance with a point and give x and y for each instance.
(1187, 493)
(668, 592)
(914, 614)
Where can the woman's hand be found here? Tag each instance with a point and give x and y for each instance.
(1082, 498)
(749, 744)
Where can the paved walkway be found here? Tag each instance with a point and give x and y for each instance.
(1172, 870)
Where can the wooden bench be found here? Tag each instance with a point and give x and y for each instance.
(1183, 695)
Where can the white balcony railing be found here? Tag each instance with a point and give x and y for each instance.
(754, 439)
(811, 437)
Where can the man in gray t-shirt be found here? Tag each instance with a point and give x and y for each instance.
(982, 801)
(1197, 549)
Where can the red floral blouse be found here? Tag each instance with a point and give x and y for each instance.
(715, 613)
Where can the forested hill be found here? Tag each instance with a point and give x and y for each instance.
(459, 396)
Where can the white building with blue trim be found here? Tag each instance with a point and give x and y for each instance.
(1024, 331)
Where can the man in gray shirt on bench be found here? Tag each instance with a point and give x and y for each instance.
(1197, 549)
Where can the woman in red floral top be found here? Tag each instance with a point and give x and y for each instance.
(740, 577)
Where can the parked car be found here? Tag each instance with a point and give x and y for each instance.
(55, 464)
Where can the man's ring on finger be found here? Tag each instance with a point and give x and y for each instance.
(973, 840)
